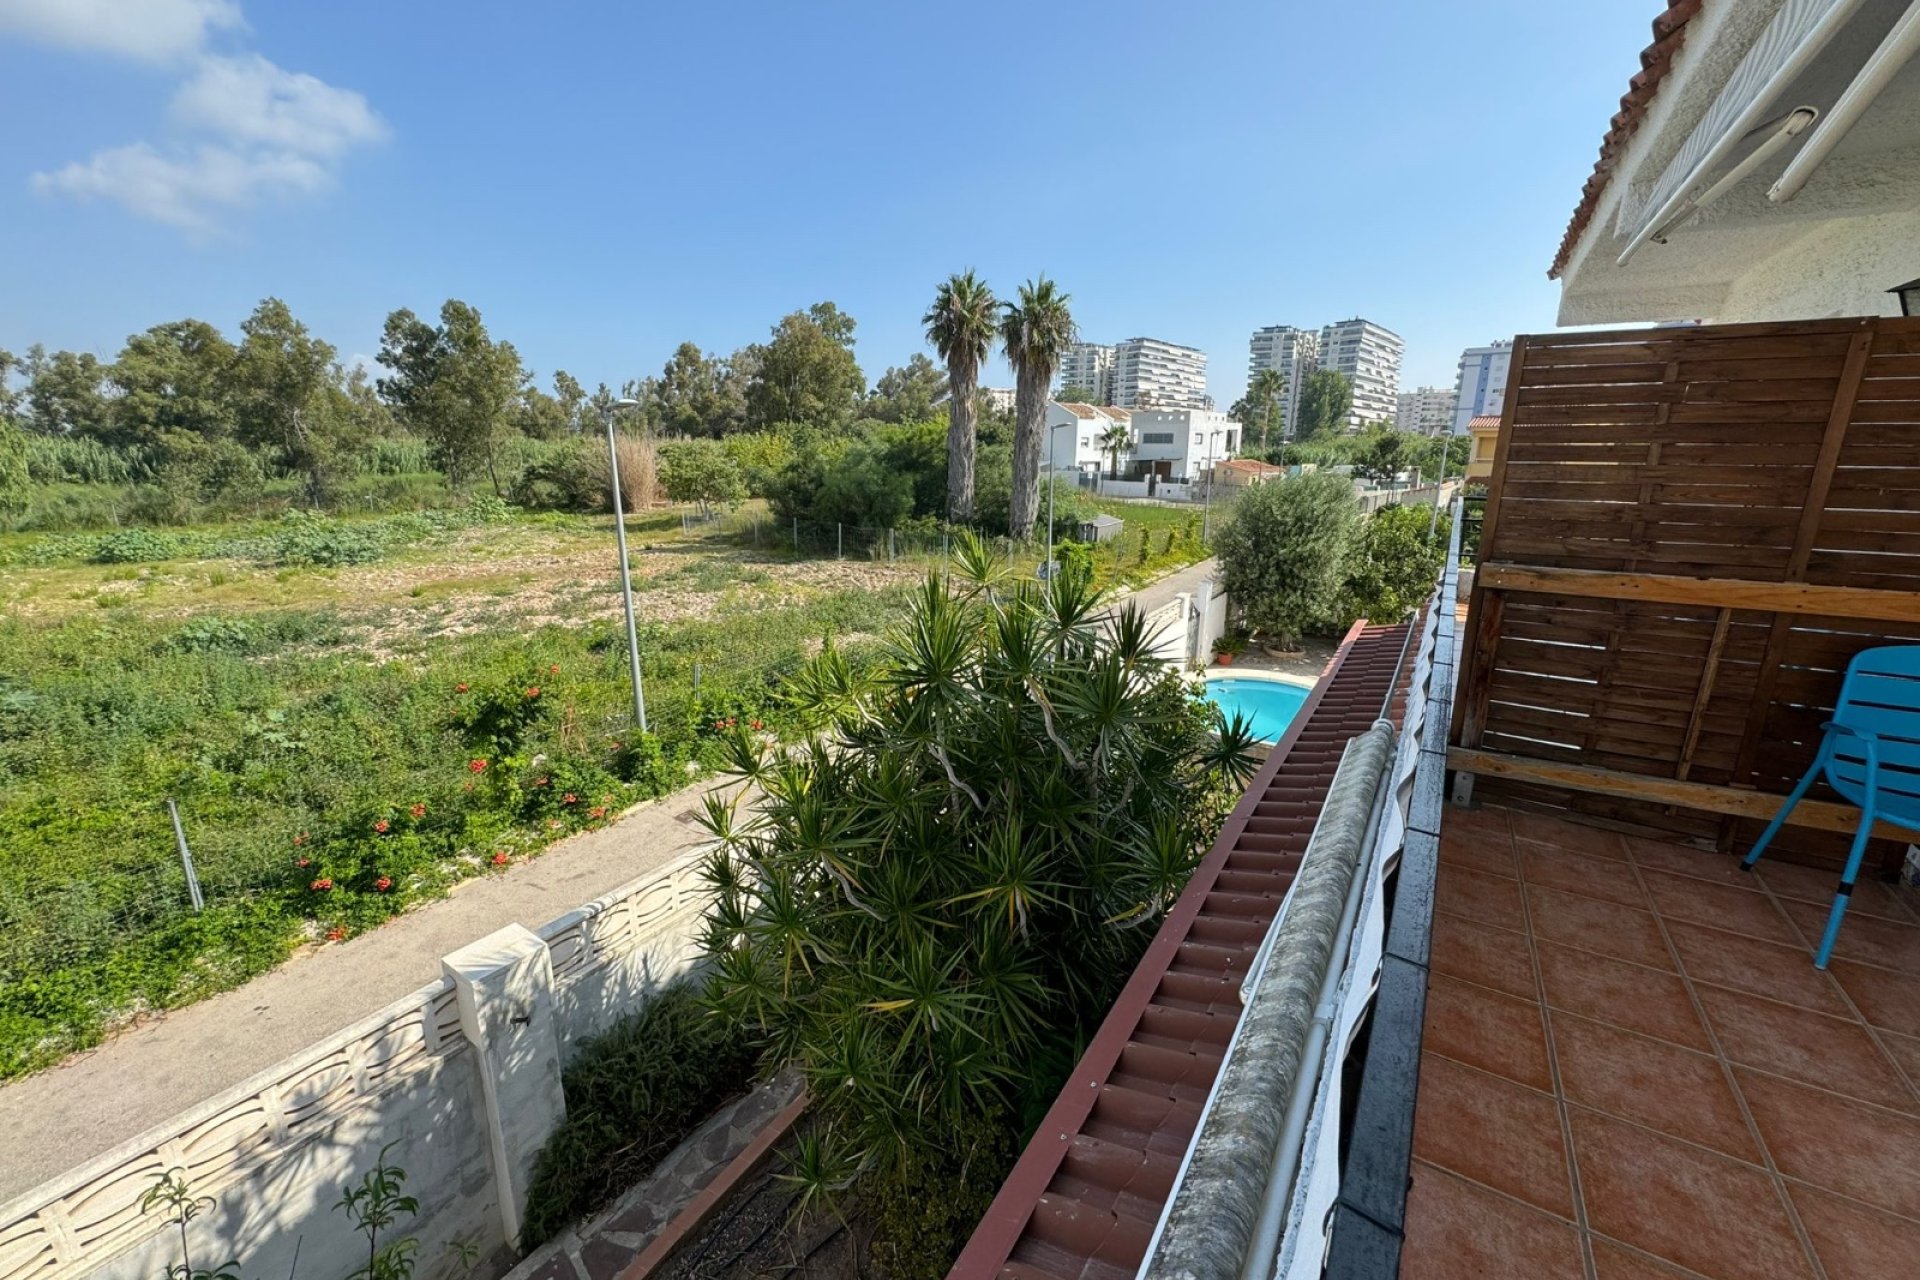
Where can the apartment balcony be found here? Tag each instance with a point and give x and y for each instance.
(1480, 991)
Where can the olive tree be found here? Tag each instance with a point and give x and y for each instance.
(1284, 550)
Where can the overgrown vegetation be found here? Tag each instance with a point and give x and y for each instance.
(632, 1095)
(323, 791)
(936, 897)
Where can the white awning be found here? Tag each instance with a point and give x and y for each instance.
(1795, 36)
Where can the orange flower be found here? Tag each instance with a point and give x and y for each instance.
(418, 811)
(383, 884)
(533, 691)
(303, 862)
(499, 857)
(554, 669)
(381, 826)
(336, 934)
(461, 687)
(568, 798)
(299, 839)
(476, 765)
(321, 885)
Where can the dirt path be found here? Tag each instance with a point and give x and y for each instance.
(91, 1103)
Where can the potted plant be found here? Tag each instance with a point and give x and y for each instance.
(1225, 647)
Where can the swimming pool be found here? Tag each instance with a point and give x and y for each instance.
(1270, 704)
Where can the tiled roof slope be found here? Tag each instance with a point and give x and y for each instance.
(1082, 1201)
(1669, 33)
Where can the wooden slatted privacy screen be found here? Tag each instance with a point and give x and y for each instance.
(1688, 534)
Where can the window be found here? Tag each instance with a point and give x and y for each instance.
(1156, 437)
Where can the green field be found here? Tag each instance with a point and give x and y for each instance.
(355, 714)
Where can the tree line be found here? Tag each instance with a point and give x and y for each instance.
(185, 407)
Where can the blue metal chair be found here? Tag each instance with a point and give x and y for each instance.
(1871, 756)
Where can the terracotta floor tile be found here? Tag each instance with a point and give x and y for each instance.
(1606, 928)
(1650, 1001)
(1719, 906)
(1869, 939)
(1745, 964)
(1614, 1261)
(1871, 895)
(1700, 864)
(1855, 1242)
(1836, 1054)
(1477, 851)
(1493, 900)
(1651, 1082)
(1886, 999)
(1582, 873)
(1689, 1206)
(1457, 1231)
(1499, 1134)
(1836, 1143)
(1479, 953)
(1557, 833)
(1485, 1029)
(1490, 821)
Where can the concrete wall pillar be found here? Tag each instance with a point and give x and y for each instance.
(504, 983)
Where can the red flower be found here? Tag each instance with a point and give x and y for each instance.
(758, 725)
(554, 670)
(476, 765)
(461, 687)
(719, 724)
(299, 839)
(542, 781)
(730, 722)
(418, 811)
(499, 857)
(336, 934)
(383, 884)
(533, 691)
(598, 811)
(381, 826)
(321, 885)
(568, 798)
(303, 862)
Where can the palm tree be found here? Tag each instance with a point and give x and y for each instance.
(960, 327)
(1265, 391)
(1035, 331)
(1114, 441)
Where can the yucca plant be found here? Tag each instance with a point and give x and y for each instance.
(945, 885)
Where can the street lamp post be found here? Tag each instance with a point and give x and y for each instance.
(626, 574)
(1206, 495)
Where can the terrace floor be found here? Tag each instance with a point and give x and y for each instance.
(1632, 1070)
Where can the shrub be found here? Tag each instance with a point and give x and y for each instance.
(308, 538)
(1284, 550)
(632, 1095)
(942, 892)
(1394, 563)
(701, 471)
(134, 546)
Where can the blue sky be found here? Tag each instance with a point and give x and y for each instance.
(606, 180)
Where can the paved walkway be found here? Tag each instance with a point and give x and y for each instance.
(93, 1102)
(1162, 591)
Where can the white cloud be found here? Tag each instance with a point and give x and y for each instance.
(250, 101)
(148, 30)
(247, 131)
(188, 187)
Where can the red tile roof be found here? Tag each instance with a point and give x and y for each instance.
(1083, 1199)
(1252, 466)
(1484, 420)
(1669, 33)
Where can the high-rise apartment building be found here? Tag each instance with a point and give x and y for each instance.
(1088, 365)
(1292, 353)
(1369, 355)
(1151, 374)
(1481, 390)
(1426, 411)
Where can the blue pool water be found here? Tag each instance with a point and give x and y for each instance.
(1270, 704)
